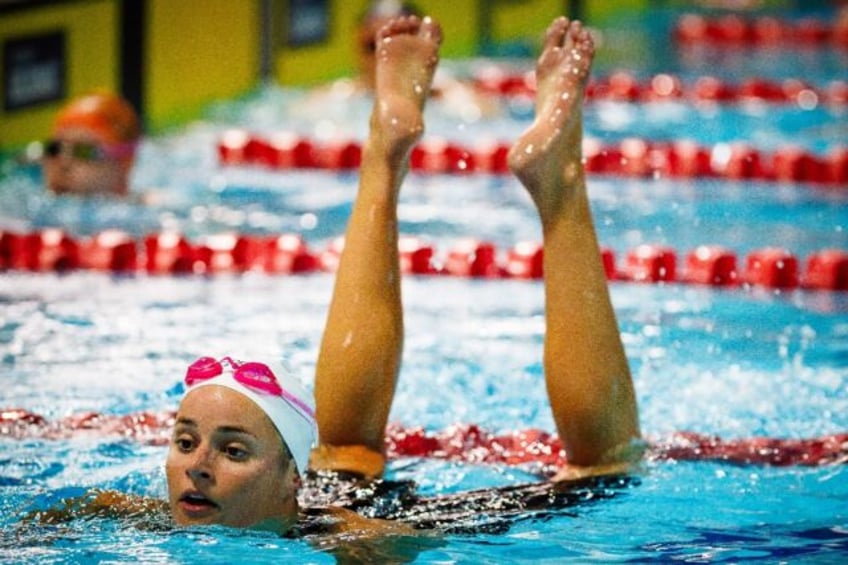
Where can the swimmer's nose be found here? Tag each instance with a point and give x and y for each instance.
(199, 468)
(197, 474)
(65, 162)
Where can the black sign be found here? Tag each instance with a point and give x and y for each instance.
(34, 70)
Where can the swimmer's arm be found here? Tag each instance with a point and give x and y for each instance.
(100, 503)
(351, 523)
(358, 539)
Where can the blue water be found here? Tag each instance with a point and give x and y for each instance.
(732, 362)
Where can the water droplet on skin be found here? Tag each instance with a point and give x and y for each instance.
(565, 96)
(529, 149)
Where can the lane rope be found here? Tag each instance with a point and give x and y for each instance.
(532, 449)
(631, 157)
(168, 253)
(625, 86)
(734, 30)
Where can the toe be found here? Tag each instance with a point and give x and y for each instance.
(556, 33)
(431, 30)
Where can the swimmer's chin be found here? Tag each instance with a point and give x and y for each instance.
(60, 190)
(273, 525)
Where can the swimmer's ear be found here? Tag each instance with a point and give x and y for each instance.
(291, 470)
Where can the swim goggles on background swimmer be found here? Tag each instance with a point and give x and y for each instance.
(86, 150)
(256, 376)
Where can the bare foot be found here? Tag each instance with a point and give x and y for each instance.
(547, 158)
(407, 55)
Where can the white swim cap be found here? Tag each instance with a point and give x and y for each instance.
(278, 393)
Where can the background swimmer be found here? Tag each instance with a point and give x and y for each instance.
(456, 97)
(92, 147)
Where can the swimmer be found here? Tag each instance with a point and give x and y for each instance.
(240, 448)
(456, 97)
(92, 147)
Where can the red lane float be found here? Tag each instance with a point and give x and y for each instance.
(766, 31)
(827, 269)
(168, 254)
(416, 257)
(772, 267)
(533, 449)
(711, 265)
(47, 250)
(632, 157)
(625, 86)
(110, 250)
(524, 261)
(472, 258)
(52, 250)
(289, 254)
(650, 263)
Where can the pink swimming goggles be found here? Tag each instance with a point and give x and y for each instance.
(256, 376)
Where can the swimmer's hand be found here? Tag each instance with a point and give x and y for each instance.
(99, 503)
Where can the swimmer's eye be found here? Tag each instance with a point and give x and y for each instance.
(80, 150)
(236, 453)
(184, 444)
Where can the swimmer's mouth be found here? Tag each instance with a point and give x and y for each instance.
(197, 501)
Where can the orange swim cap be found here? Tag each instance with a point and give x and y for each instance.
(108, 115)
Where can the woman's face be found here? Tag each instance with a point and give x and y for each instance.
(66, 173)
(226, 464)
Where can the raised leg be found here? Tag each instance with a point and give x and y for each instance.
(360, 354)
(586, 371)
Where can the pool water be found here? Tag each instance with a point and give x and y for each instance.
(738, 362)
